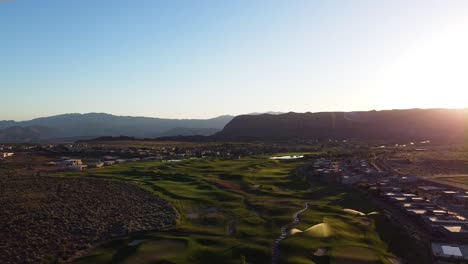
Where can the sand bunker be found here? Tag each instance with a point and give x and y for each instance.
(294, 231)
(354, 212)
(321, 230)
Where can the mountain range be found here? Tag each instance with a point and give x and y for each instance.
(70, 127)
(445, 125)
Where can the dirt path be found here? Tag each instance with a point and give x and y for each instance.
(284, 234)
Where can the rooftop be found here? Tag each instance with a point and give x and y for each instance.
(450, 251)
(430, 188)
(453, 251)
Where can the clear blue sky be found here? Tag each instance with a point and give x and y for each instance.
(198, 59)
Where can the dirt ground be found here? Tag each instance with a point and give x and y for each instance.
(52, 218)
(435, 161)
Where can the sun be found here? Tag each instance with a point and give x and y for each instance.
(433, 73)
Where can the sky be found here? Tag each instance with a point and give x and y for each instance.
(201, 59)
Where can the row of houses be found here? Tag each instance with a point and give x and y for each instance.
(79, 165)
(449, 231)
(325, 170)
(358, 171)
(445, 195)
(421, 203)
(347, 172)
(221, 150)
(6, 147)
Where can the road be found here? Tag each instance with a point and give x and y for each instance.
(284, 234)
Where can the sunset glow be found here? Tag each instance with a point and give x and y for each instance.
(431, 73)
(173, 60)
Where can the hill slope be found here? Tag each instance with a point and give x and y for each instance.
(17, 134)
(99, 124)
(413, 124)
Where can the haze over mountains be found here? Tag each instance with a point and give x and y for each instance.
(69, 127)
(446, 125)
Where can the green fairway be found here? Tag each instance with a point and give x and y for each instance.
(157, 250)
(354, 255)
(234, 209)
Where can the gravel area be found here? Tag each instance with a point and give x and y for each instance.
(46, 218)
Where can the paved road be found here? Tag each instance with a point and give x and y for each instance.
(284, 234)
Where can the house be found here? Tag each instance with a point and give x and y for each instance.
(457, 232)
(109, 162)
(70, 162)
(77, 167)
(96, 164)
(6, 154)
(461, 199)
(447, 223)
(109, 158)
(429, 192)
(426, 211)
(448, 195)
(407, 179)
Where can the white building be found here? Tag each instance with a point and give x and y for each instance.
(70, 162)
(6, 154)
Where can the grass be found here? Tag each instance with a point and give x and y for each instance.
(157, 250)
(337, 233)
(354, 254)
(234, 209)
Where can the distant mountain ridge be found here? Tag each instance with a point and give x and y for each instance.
(266, 113)
(100, 124)
(446, 125)
(28, 134)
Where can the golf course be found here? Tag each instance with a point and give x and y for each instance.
(233, 211)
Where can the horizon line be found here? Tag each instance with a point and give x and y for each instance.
(233, 115)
